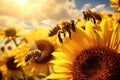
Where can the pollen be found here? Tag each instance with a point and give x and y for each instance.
(97, 63)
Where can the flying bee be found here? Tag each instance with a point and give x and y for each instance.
(93, 14)
(32, 55)
(63, 27)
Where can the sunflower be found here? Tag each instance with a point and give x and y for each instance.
(92, 54)
(8, 66)
(44, 46)
(10, 33)
(116, 4)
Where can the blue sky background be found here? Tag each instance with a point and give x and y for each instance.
(80, 3)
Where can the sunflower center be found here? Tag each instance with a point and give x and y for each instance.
(46, 49)
(91, 66)
(97, 63)
(11, 65)
(10, 32)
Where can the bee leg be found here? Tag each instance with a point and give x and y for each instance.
(37, 57)
(59, 36)
(64, 34)
(69, 34)
(88, 18)
(94, 20)
(84, 15)
(73, 26)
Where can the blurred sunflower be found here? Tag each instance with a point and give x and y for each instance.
(8, 66)
(91, 54)
(37, 62)
(115, 3)
(10, 33)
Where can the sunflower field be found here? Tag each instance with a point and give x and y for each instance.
(85, 48)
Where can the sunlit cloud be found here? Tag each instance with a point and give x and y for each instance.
(5, 20)
(21, 2)
(33, 11)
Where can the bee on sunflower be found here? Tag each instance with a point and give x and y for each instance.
(92, 54)
(38, 51)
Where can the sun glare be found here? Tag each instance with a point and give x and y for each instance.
(21, 2)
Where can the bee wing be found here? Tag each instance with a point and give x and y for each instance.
(98, 7)
(50, 23)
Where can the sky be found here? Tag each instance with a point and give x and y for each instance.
(30, 13)
(81, 3)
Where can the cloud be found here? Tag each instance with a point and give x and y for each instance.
(5, 20)
(33, 11)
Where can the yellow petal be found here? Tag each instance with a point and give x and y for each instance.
(58, 76)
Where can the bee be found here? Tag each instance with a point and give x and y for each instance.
(32, 55)
(93, 14)
(63, 27)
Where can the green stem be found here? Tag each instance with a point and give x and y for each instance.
(47, 69)
(15, 42)
(23, 74)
